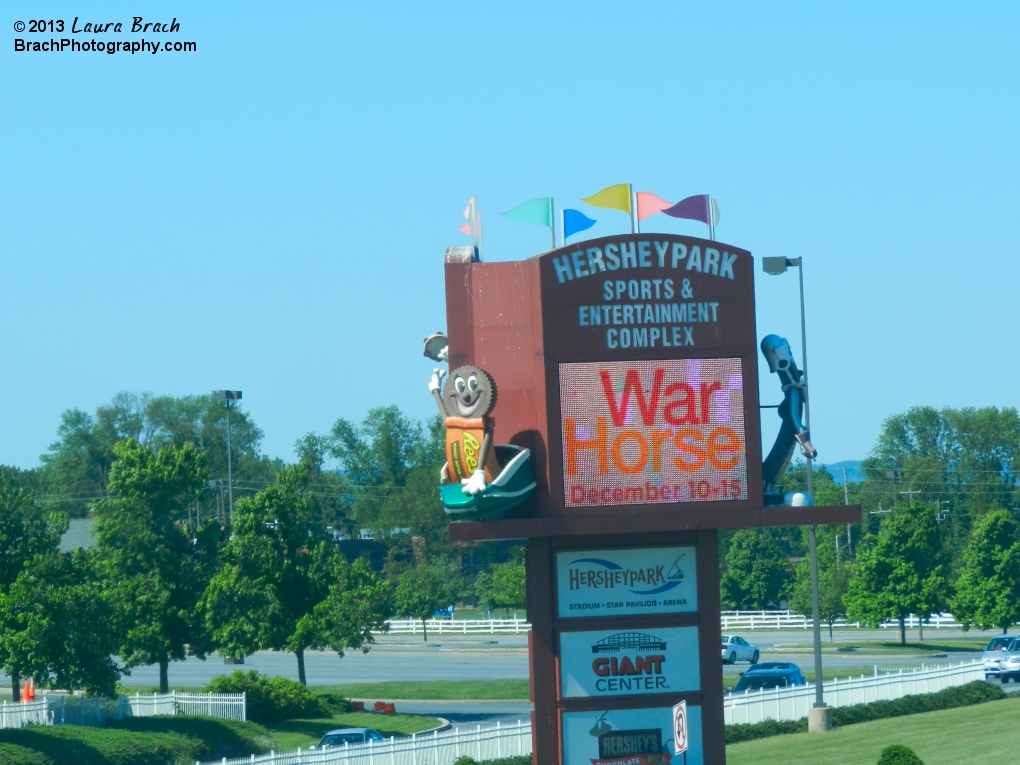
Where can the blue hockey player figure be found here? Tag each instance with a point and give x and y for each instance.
(793, 431)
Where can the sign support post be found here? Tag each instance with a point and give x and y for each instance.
(627, 367)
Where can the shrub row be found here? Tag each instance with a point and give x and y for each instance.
(524, 759)
(138, 741)
(977, 692)
(271, 699)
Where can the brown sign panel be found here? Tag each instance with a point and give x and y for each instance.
(646, 296)
(628, 365)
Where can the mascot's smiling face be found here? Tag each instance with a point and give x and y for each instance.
(469, 392)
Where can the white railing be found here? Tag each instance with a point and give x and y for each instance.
(459, 626)
(79, 710)
(792, 703)
(730, 620)
(225, 706)
(483, 743)
(778, 620)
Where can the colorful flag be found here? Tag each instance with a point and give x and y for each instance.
(614, 197)
(575, 221)
(538, 211)
(648, 205)
(469, 228)
(691, 208)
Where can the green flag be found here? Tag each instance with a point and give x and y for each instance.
(538, 211)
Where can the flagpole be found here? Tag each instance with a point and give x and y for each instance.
(711, 225)
(563, 226)
(633, 209)
(552, 220)
(478, 217)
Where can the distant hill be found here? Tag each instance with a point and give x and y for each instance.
(854, 474)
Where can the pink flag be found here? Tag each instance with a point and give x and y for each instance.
(465, 229)
(648, 205)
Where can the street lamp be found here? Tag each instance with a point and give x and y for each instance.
(228, 396)
(821, 720)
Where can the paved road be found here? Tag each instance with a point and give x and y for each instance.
(394, 658)
(468, 714)
(448, 657)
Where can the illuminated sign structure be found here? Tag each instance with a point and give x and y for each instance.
(630, 662)
(622, 736)
(628, 367)
(626, 582)
(653, 431)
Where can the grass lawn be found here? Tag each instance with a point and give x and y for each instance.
(985, 734)
(476, 690)
(294, 733)
(868, 670)
(888, 647)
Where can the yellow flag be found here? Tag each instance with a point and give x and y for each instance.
(615, 197)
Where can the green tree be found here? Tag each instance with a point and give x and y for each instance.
(153, 564)
(988, 588)
(392, 463)
(59, 626)
(833, 583)
(421, 591)
(967, 460)
(24, 537)
(901, 570)
(77, 468)
(284, 585)
(756, 573)
(503, 585)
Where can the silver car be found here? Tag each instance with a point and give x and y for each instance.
(1009, 662)
(994, 652)
(736, 649)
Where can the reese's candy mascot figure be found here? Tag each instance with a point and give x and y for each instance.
(466, 401)
(780, 359)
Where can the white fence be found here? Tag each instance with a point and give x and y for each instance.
(730, 620)
(792, 703)
(79, 710)
(225, 706)
(459, 626)
(779, 620)
(483, 743)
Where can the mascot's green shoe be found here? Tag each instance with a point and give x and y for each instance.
(514, 484)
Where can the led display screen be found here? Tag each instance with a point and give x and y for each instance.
(640, 432)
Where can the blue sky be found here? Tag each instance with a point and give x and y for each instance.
(270, 212)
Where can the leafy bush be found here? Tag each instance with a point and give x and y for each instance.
(139, 741)
(897, 754)
(737, 733)
(977, 692)
(270, 699)
(336, 704)
(524, 759)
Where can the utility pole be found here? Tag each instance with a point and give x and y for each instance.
(846, 501)
(228, 396)
(911, 493)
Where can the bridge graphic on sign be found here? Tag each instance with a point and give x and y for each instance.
(639, 641)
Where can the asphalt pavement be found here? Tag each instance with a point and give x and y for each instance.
(497, 657)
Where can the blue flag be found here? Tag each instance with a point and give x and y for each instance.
(575, 221)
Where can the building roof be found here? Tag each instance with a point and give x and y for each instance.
(78, 534)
